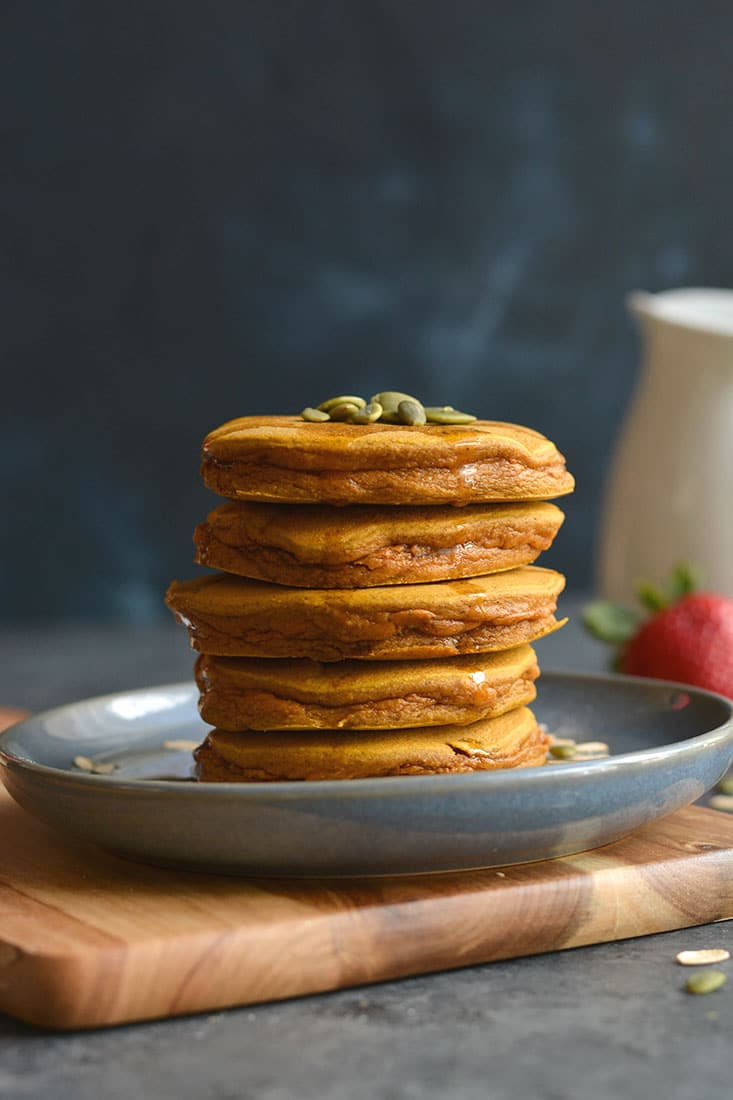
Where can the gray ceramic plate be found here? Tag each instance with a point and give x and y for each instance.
(669, 746)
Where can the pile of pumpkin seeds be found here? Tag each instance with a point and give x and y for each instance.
(388, 407)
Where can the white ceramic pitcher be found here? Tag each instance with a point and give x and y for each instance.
(670, 494)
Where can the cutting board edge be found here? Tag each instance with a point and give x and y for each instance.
(47, 989)
(56, 1016)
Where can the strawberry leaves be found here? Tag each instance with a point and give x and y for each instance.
(685, 579)
(609, 622)
(651, 598)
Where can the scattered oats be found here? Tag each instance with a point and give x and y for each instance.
(182, 744)
(592, 748)
(704, 957)
(705, 981)
(500, 874)
(722, 802)
(103, 769)
(562, 751)
(84, 763)
(726, 785)
(584, 756)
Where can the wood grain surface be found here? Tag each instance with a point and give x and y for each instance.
(87, 939)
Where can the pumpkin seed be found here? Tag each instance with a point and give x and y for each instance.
(343, 412)
(445, 414)
(411, 412)
(95, 767)
(722, 802)
(704, 957)
(369, 414)
(592, 748)
(562, 752)
(390, 401)
(348, 399)
(316, 416)
(726, 785)
(705, 981)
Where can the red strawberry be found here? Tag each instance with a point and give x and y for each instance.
(687, 638)
(691, 641)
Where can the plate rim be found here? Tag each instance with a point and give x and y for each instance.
(391, 786)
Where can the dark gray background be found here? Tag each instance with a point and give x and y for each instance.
(228, 208)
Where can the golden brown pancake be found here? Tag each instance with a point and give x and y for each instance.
(287, 459)
(232, 616)
(241, 693)
(319, 546)
(511, 741)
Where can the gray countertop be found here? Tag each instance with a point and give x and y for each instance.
(595, 1023)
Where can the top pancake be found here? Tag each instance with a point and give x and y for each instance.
(287, 459)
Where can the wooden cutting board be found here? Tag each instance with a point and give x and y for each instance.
(87, 939)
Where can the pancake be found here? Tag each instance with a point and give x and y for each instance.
(240, 693)
(233, 616)
(511, 741)
(287, 459)
(319, 546)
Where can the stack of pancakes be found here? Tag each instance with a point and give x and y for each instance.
(376, 598)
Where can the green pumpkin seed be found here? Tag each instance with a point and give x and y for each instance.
(563, 752)
(410, 412)
(390, 400)
(726, 785)
(343, 412)
(705, 981)
(446, 414)
(369, 414)
(334, 402)
(316, 416)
